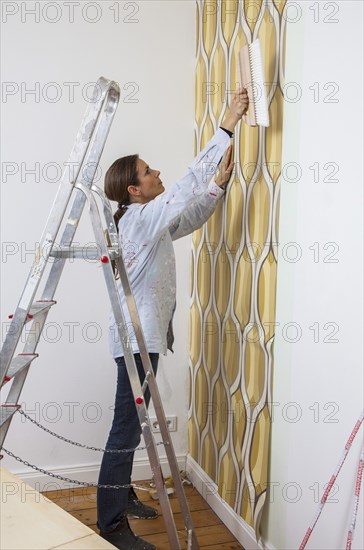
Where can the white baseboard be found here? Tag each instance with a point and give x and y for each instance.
(209, 491)
(90, 473)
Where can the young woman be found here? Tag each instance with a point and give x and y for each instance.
(148, 220)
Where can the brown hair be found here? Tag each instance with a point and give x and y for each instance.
(121, 174)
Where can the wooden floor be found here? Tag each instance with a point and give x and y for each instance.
(210, 532)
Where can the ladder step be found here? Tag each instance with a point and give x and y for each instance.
(40, 306)
(19, 363)
(83, 252)
(36, 308)
(6, 411)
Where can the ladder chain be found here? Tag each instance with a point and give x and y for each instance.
(74, 481)
(80, 444)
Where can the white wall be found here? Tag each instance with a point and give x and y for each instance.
(153, 60)
(314, 379)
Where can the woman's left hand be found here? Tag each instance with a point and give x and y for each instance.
(226, 167)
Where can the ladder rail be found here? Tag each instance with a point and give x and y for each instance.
(158, 408)
(132, 372)
(152, 384)
(86, 147)
(93, 157)
(97, 121)
(19, 379)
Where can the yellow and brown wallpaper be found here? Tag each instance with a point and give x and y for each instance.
(234, 261)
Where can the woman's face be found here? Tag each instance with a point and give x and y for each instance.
(150, 184)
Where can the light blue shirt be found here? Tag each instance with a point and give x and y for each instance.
(146, 232)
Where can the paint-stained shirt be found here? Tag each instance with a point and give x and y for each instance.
(146, 232)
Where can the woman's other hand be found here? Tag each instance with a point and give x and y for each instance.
(238, 107)
(226, 167)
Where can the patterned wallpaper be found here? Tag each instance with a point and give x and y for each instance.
(234, 261)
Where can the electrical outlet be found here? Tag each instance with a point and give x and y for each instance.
(171, 424)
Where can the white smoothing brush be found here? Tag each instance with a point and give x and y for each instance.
(251, 76)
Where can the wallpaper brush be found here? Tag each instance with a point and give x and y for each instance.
(250, 71)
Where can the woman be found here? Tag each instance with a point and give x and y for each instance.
(148, 221)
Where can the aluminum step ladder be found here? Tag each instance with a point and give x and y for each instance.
(74, 192)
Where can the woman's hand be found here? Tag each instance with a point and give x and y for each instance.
(226, 167)
(238, 107)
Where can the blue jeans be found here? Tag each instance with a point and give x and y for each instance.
(124, 434)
